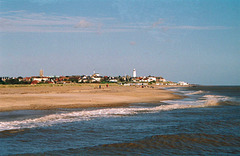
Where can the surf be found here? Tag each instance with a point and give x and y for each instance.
(205, 100)
(75, 116)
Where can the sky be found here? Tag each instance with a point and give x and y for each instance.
(196, 41)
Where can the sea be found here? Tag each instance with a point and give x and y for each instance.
(205, 122)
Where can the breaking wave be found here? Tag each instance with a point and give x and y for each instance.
(49, 120)
(197, 92)
(79, 116)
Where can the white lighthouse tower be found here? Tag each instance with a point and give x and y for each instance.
(134, 73)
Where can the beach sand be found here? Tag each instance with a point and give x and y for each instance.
(76, 96)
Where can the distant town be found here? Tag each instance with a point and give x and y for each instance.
(94, 78)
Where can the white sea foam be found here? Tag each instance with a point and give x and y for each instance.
(218, 97)
(49, 120)
(172, 89)
(204, 101)
(178, 90)
(197, 92)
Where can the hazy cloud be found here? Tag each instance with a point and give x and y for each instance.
(83, 24)
(22, 21)
(43, 2)
(166, 26)
(155, 24)
(4, 23)
(189, 27)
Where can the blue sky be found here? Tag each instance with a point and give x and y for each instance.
(181, 40)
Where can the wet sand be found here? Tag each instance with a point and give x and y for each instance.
(76, 96)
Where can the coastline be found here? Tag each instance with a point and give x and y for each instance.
(78, 96)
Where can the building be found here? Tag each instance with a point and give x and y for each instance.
(4, 78)
(152, 79)
(27, 79)
(113, 80)
(183, 83)
(40, 79)
(160, 79)
(143, 79)
(96, 74)
(134, 73)
(96, 79)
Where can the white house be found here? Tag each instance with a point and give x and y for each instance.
(40, 79)
(96, 74)
(113, 80)
(96, 79)
(151, 79)
(144, 79)
(162, 80)
(183, 83)
(148, 79)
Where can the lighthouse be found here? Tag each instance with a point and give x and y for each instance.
(134, 73)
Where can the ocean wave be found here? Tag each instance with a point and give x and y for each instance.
(52, 119)
(179, 140)
(197, 92)
(168, 144)
(217, 100)
(172, 89)
(229, 103)
(219, 97)
(65, 117)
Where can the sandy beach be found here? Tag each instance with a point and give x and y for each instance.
(76, 96)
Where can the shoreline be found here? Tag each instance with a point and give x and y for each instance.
(79, 96)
